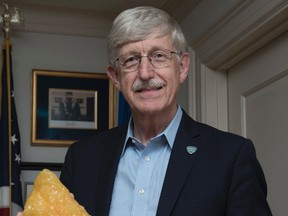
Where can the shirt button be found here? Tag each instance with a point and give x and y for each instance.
(133, 141)
(147, 158)
(141, 192)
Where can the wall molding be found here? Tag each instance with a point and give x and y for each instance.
(244, 28)
(92, 22)
(207, 91)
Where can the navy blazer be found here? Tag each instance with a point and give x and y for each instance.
(222, 178)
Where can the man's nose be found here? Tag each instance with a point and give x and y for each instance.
(146, 69)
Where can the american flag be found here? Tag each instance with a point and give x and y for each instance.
(10, 184)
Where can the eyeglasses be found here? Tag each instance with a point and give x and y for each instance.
(158, 59)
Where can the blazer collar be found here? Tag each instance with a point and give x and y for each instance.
(180, 164)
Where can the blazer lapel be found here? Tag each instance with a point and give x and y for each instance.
(183, 155)
(112, 154)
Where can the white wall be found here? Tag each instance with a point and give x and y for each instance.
(53, 52)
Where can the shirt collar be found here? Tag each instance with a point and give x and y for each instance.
(169, 132)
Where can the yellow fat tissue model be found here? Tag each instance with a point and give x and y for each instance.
(49, 197)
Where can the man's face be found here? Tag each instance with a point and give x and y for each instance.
(150, 99)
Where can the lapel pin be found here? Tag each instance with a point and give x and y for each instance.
(191, 149)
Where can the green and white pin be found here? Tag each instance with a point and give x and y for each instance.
(191, 149)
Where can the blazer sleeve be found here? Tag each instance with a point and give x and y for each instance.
(248, 189)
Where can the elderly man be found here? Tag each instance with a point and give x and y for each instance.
(162, 162)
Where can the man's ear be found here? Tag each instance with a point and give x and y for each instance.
(184, 66)
(114, 76)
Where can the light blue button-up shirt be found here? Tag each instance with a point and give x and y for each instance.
(141, 172)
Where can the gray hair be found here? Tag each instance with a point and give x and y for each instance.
(138, 23)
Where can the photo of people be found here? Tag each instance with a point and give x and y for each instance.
(72, 108)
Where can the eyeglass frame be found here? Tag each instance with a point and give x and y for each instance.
(139, 57)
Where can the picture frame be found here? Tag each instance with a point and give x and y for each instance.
(29, 171)
(68, 106)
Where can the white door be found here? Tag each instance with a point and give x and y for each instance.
(258, 109)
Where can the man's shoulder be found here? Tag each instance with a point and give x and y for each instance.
(102, 138)
(210, 133)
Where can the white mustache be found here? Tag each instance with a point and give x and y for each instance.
(150, 84)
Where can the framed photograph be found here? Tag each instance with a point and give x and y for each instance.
(28, 186)
(68, 106)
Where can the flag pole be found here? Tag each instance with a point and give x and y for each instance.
(6, 18)
(6, 29)
(7, 48)
(7, 53)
